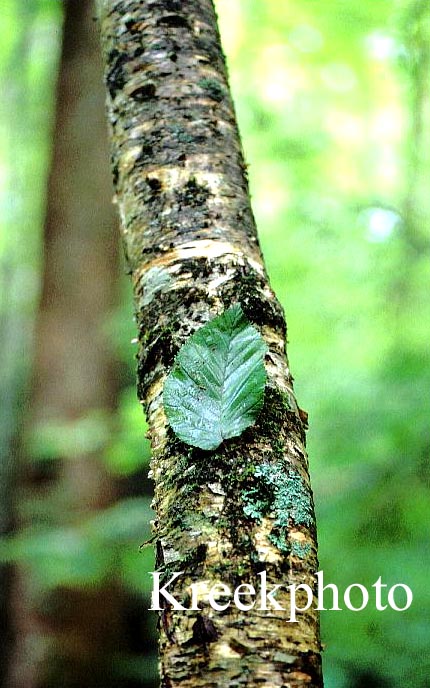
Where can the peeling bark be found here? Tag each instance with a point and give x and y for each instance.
(192, 250)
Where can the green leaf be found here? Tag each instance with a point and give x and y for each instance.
(216, 387)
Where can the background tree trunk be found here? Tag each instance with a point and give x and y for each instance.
(192, 249)
(66, 636)
(15, 322)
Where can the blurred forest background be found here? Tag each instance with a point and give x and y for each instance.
(333, 101)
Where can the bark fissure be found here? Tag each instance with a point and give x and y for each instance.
(192, 249)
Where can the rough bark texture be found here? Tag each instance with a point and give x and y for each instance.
(192, 250)
(65, 636)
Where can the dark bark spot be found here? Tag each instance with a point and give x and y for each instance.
(154, 184)
(193, 194)
(166, 620)
(304, 418)
(115, 77)
(204, 630)
(247, 289)
(200, 554)
(172, 5)
(145, 92)
(145, 154)
(115, 173)
(138, 51)
(259, 566)
(310, 663)
(238, 647)
(159, 554)
(174, 21)
(162, 349)
(132, 26)
(148, 249)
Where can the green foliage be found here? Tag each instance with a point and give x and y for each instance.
(53, 439)
(128, 451)
(326, 95)
(216, 387)
(81, 555)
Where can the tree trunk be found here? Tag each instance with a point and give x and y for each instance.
(15, 319)
(66, 635)
(192, 249)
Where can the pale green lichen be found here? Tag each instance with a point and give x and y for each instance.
(180, 133)
(254, 507)
(282, 493)
(300, 549)
(213, 88)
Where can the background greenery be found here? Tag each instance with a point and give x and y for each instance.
(333, 104)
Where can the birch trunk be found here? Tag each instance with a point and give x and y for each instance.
(192, 250)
